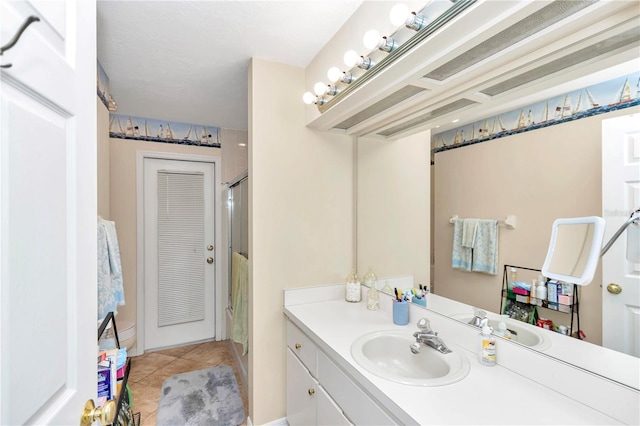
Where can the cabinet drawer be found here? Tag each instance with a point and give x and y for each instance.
(304, 349)
(355, 404)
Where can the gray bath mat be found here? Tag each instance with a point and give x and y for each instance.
(203, 397)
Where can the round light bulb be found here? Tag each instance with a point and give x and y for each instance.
(371, 39)
(320, 88)
(308, 98)
(334, 74)
(351, 58)
(399, 14)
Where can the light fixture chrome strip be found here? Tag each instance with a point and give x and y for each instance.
(423, 118)
(457, 8)
(386, 103)
(544, 18)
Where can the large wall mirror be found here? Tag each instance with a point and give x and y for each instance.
(405, 203)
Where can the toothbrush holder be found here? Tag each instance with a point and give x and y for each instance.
(400, 312)
(421, 301)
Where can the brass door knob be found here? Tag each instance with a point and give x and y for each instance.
(298, 345)
(312, 391)
(209, 260)
(614, 288)
(105, 414)
(210, 247)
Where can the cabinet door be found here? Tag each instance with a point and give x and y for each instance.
(329, 414)
(302, 392)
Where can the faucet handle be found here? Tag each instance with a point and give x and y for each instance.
(479, 313)
(424, 325)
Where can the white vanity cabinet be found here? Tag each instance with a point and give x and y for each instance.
(320, 393)
(307, 402)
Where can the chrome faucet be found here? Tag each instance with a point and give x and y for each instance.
(429, 337)
(478, 316)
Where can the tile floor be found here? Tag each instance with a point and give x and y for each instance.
(149, 371)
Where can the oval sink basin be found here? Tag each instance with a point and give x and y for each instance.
(387, 354)
(526, 334)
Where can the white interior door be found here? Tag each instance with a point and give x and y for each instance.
(48, 213)
(620, 196)
(179, 252)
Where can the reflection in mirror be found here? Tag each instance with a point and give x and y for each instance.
(574, 249)
(524, 174)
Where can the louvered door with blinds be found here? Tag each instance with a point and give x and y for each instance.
(179, 252)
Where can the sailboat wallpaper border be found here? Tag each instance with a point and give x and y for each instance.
(617, 93)
(102, 82)
(149, 129)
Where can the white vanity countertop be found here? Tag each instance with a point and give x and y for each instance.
(488, 395)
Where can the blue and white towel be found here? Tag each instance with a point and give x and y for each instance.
(461, 256)
(110, 285)
(485, 250)
(469, 231)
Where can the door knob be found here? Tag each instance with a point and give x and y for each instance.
(614, 288)
(311, 391)
(105, 414)
(210, 247)
(209, 260)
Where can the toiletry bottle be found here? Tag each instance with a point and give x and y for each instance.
(352, 290)
(370, 279)
(487, 346)
(541, 291)
(373, 298)
(502, 330)
(387, 289)
(513, 277)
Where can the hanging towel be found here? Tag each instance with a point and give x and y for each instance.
(110, 285)
(461, 256)
(485, 251)
(240, 300)
(469, 229)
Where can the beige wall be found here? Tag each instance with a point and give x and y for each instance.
(234, 156)
(103, 160)
(538, 176)
(122, 171)
(394, 227)
(300, 220)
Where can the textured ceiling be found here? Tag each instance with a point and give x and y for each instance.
(187, 60)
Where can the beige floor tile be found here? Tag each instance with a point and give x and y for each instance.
(155, 359)
(178, 352)
(149, 420)
(139, 370)
(141, 392)
(146, 409)
(208, 352)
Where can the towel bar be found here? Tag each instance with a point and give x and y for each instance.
(509, 221)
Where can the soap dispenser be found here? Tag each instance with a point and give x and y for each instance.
(487, 345)
(502, 330)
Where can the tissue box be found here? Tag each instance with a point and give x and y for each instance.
(552, 292)
(564, 299)
(522, 291)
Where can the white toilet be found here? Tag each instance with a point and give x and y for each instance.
(127, 335)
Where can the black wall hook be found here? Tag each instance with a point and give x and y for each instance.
(31, 19)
